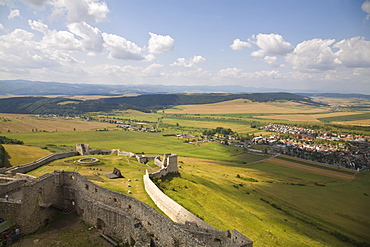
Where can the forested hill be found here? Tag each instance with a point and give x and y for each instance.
(146, 103)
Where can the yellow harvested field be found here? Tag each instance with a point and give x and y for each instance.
(310, 169)
(27, 123)
(20, 155)
(244, 106)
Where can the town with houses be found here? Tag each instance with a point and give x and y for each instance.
(342, 150)
(349, 151)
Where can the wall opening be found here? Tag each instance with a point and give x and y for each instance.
(100, 224)
(176, 243)
(115, 199)
(86, 186)
(132, 241)
(72, 177)
(96, 190)
(152, 244)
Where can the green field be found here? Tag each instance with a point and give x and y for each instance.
(362, 116)
(227, 187)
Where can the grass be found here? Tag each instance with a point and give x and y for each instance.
(354, 117)
(228, 188)
(270, 204)
(30, 123)
(307, 163)
(129, 167)
(29, 154)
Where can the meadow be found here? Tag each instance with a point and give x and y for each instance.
(275, 201)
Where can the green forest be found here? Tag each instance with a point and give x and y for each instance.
(144, 103)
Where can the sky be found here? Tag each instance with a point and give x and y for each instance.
(305, 45)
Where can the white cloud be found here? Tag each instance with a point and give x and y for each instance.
(230, 72)
(13, 13)
(37, 3)
(354, 52)
(160, 43)
(1, 27)
(56, 40)
(272, 61)
(313, 55)
(240, 45)
(188, 63)
(271, 44)
(21, 51)
(81, 10)
(366, 8)
(92, 36)
(120, 48)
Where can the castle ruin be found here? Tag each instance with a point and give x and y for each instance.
(116, 214)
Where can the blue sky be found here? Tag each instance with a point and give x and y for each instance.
(312, 45)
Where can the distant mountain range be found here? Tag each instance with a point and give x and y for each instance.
(39, 88)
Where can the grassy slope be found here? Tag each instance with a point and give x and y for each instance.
(212, 191)
(29, 154)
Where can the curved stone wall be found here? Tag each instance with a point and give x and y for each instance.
(35, 164)
(172, 209)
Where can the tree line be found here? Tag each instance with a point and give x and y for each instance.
(144, 103)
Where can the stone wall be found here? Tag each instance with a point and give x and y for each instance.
(116, 214)
(172, 209)
(35, 164)
(83, 148)
(168, 165)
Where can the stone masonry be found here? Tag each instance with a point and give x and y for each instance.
(118, 215)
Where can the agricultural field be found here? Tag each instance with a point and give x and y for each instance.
(245, 106)
(275, 201)
(30, 123)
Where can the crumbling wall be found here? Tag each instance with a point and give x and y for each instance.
(123, 216)
(168, 165)
(83, 148)
(35, 164)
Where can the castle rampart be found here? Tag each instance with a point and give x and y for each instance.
(37, 200)
(171, 208)
(116, 214)
(35, 164)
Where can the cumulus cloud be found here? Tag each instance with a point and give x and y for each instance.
(240, 45)
(13, 13)
(120, 48)
(188, 63)
(82, 10)
(272, 61)
(160, 43)
(92, 36)
(56, 40)
(271, 44)
(354, 52)
(230, 72)
(1, 27)
(21, 51)
(366, 8)
(313, 55)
